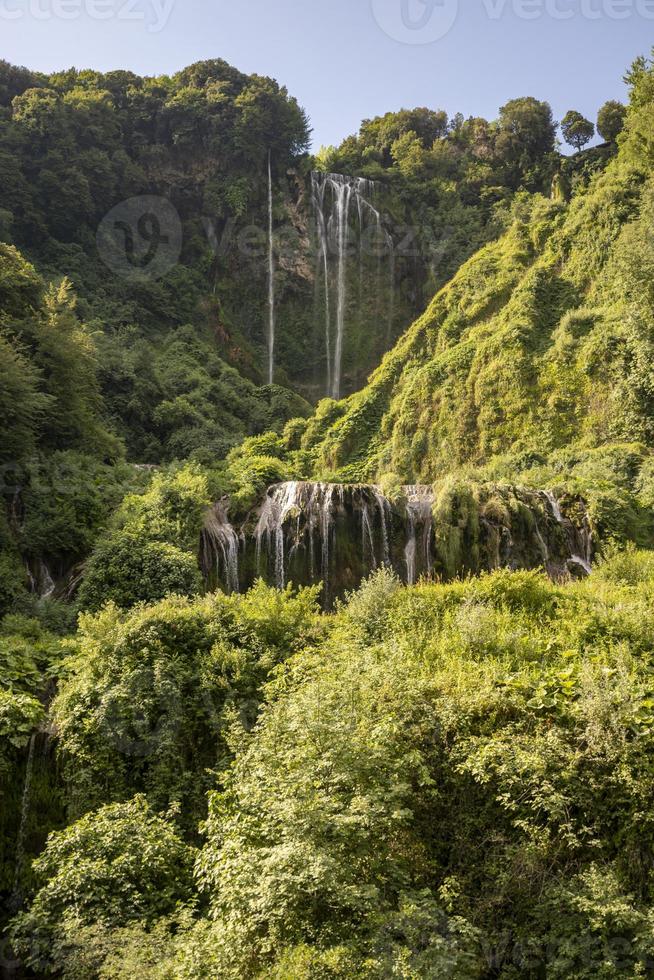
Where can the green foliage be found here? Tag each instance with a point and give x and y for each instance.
(30, 663)
(368, 608)
(448, 780)
(67, 499)
(497, 710)
(541, 341)
(126, 569)
(594, 928)
(13, 581)
(49, 394)
(29, 655)
(430, 781)
(576, 129)
(120, 864)
(77, 143)
(611, 120)
(151, 550)
(151, 693)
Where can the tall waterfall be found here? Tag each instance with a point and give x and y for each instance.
(339, 202)
(271, 277)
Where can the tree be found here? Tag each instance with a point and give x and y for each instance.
(611, 120)
(525, 137)
(577, 130)
(126, 569)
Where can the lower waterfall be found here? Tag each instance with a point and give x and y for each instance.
(219, 548)
(337, 534)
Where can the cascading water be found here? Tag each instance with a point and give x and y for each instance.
(336, 199)
(219, 545)
(419, 503)
(271, 278)
(579, 539)
(318, 201)
(280, 502)
(40, 579)
(305, 533)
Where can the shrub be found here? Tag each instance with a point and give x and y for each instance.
(121, 864)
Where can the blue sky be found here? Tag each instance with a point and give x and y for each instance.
(346, 60)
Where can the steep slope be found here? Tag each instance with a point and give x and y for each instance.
(533, 360)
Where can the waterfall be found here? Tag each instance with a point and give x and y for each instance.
(318, 201)
(281, 501)
(219, 548)
(419, 503)
(343, 197)
(368, 541)
(271, 278)
(554, 506)
(40, 579)
(308, 532)
(325, 508)
(578, 539)
(336, 198)
(384, 507)
(48, 585)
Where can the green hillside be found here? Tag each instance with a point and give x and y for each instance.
(339, 689)
(535, 362)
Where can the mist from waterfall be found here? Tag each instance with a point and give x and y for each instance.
(271, 277)
(340, 202)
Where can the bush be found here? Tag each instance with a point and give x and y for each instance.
(151, 693)
(126, 569)
(120, 864)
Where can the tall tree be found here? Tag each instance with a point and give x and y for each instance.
(525, 136)
(577, 130)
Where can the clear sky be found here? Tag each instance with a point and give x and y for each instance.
(347, 60)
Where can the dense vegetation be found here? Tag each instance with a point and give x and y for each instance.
(533, 364)
(178, 368)
(449, 780)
